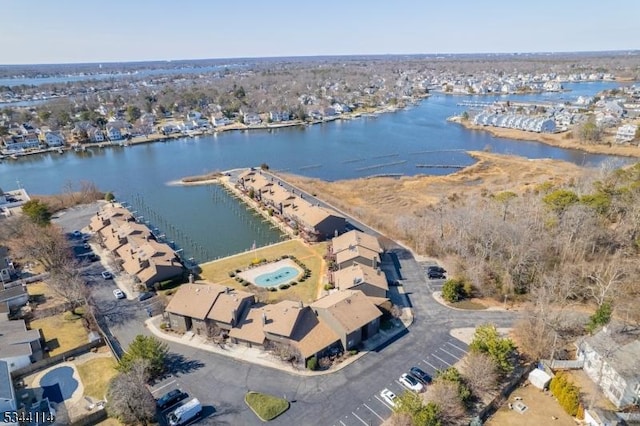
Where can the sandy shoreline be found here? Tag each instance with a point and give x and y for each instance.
(558, 140)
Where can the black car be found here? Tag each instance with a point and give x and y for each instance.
(170, 398)
(436, 268)
(435, 275)
(420, 375)
(146, 295)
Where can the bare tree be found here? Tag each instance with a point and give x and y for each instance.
(604, 278)
(445, 395)
(44, 244)
(129, 398)
(285, 352)
(480, 373)
(66, 281)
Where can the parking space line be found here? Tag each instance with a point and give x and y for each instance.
(383, 403)
(373, 412)
(437, 357)
(431, 365)
(163, 386)
(447, 352)
(342, 423)
(457, 347)
(363, 422)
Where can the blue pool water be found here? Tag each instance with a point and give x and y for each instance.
(275, 278)
(58, 384)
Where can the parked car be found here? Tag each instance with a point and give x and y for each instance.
(106, 275)
(411, 383)
(119, 294)
(76, 234)
(146, 295)
(185, 413)
(420, 375)
(436, 268)
(389, 397)
(170, 398)
(434, 275)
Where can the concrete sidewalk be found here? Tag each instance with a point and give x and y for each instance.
(257, 356)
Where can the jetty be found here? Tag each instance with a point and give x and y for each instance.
(379, 166)
(440, 166)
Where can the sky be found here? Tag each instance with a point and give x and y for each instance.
(69, 31)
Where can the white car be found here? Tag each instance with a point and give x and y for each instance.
(389, 397)
(119, 294)
(410, 383)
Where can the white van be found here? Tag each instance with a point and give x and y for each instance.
(185, 413)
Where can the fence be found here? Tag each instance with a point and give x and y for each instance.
(493, 406)
(44, 363)
(91, 418)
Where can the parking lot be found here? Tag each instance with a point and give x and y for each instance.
(170, 383)
(375, 410)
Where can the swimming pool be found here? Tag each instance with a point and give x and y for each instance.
(279, 276)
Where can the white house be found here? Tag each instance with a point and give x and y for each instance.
(21, 142)
(611, 361)
(113, 132)
(218, 120)
(251, 118)
(95, 135)
(8, 403)
(54, 138)
(626, 133)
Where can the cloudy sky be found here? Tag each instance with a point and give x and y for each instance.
(44, 31)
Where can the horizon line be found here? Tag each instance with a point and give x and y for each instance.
(628, 51)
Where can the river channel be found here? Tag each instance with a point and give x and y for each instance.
(207, 223)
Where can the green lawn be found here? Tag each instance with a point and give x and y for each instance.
(95, 375)
(266, 407)
(311, 255)
(61, 334)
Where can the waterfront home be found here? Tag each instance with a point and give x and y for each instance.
(251, 119)
(8, 401)
(370, 281)
(277, 116)
(108, 213)
(278, 198)
(350, 314)
(7, 267)
(329, 112)
(19, 347)
(149, 261)
(201, 308)
(611, 361)
(21, 142)
(314, 223)
(355, 238)
(626, 133)
(194, 115)
(95, 135)
(113, 132)
(218, 119)
(120, 231)
(53, 138)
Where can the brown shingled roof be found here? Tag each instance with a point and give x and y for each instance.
(249, 328)
(355, 238)
(225, 308)
(351, 309)
(194, 300)
(357, 274)
(282, 317)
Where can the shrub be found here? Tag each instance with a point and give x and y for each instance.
(273, 289)
(283, 286)
(353, 352)
(328, 287)
(245, 283)
(567, 393)
(324, 363)
(238, 271)
(263, 260)
(292, 283)
(108, 196)
(232, 274)
(303, 279)
(170, 292)
(164, 326)
(454, 290)
(312, 363)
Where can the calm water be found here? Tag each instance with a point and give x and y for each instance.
(204, 220)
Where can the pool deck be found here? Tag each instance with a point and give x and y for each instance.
(251, 274)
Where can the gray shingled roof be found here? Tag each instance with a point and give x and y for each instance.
(6, 386)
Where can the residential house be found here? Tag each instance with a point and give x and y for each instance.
(108, 213)
(219, 119)
(7, 269)
(314, 223)
(357, 254)
(598, 417)
(95, 135)
(350, 314)
(119, 232)
(117, 130)
(148, 260)
(287, 323)
(53, 138)
(370, 281)
(21, 142)
(19, 347)
(251, 119)
(15, 296)
(8, 402)
(277, 197)
(277, 116)
(355, 238)
(203, 307)
(626, 133)
(611, 361)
